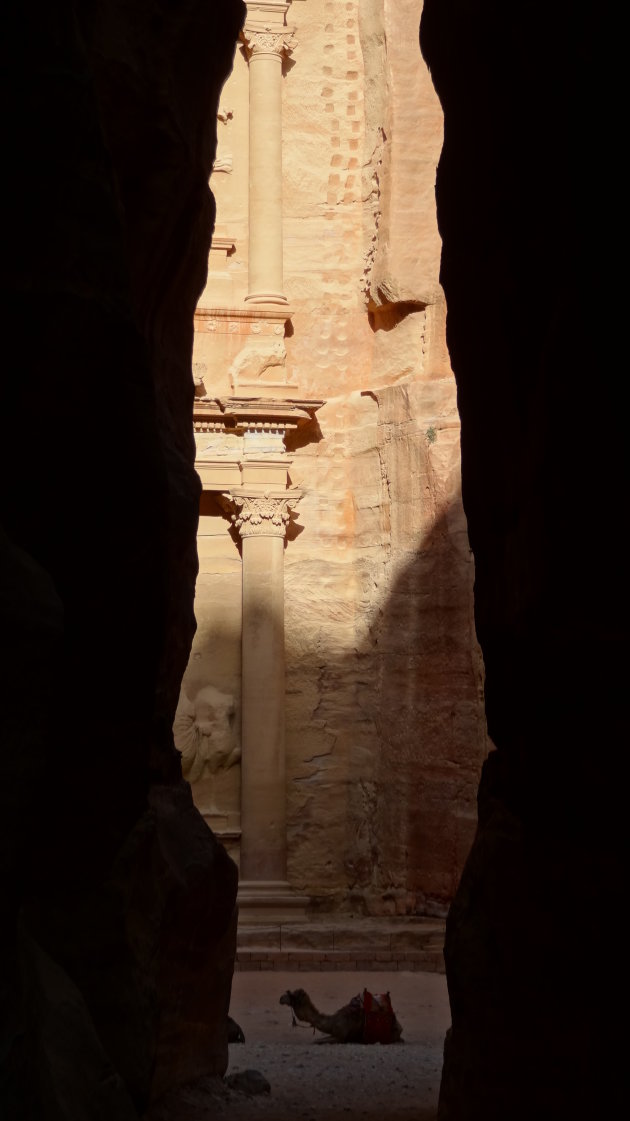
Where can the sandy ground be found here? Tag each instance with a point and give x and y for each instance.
(317, 1081)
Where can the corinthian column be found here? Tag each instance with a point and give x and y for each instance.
(267, 42)
(261, 521)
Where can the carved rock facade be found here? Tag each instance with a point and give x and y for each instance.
(323, 373)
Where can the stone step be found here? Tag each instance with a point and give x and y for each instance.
(414, 944)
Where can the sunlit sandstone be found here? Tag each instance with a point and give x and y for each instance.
(343, 631)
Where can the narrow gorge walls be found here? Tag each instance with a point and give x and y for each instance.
(529, 211)
(384, 728)
(114, 892)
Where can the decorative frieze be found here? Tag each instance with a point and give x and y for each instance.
(240, 441)
(241, 321)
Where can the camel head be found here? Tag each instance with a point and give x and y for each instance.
(298, 996)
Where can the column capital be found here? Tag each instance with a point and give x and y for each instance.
(261, 515)
(267, 40)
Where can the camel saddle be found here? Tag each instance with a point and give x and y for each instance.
(378, 1017)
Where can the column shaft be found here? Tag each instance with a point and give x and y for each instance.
(265, 177)
(263, 814)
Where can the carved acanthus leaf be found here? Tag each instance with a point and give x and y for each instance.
(262, 515)
(268, 40)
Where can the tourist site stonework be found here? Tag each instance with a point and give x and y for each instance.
(331, 717)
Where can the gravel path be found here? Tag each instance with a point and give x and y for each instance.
(318, 1081)
(311, 1080)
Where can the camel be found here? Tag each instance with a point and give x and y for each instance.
(365, 1019)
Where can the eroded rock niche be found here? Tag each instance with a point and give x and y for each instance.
(114, 892)
(529, 212)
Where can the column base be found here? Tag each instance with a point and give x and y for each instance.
(269, 900)
(267, 298)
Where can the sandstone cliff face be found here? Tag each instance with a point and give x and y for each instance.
(113, 889)
(384, 701)
(385, 723)
(529, 218)
(385, 728)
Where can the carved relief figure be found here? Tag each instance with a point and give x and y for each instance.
(253, 362)
(223, 161)
(204, 732)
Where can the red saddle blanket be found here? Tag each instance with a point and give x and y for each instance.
(379, 1019)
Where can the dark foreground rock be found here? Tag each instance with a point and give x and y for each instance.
(114, 895)
(531, 212)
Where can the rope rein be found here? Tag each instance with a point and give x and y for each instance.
(295, 1024)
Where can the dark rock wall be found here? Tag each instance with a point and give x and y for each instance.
(529, 210)
(114, 893)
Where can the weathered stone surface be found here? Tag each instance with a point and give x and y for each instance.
(384, 722)
(400, 104)
(530, 217)
(111, 141)
(385, 718)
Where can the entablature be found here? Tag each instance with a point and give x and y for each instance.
(240, 440)
(244, 414)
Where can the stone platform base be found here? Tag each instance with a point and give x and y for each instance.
(271, 902)
(383, 944)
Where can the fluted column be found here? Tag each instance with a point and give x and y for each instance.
(266, 44)
(261, 521)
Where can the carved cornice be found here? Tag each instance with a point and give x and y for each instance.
(261, 13)
(225, 245)
(243, 414)
(272, 9)
(262, 515)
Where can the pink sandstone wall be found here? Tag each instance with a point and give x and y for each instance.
(385, 730)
